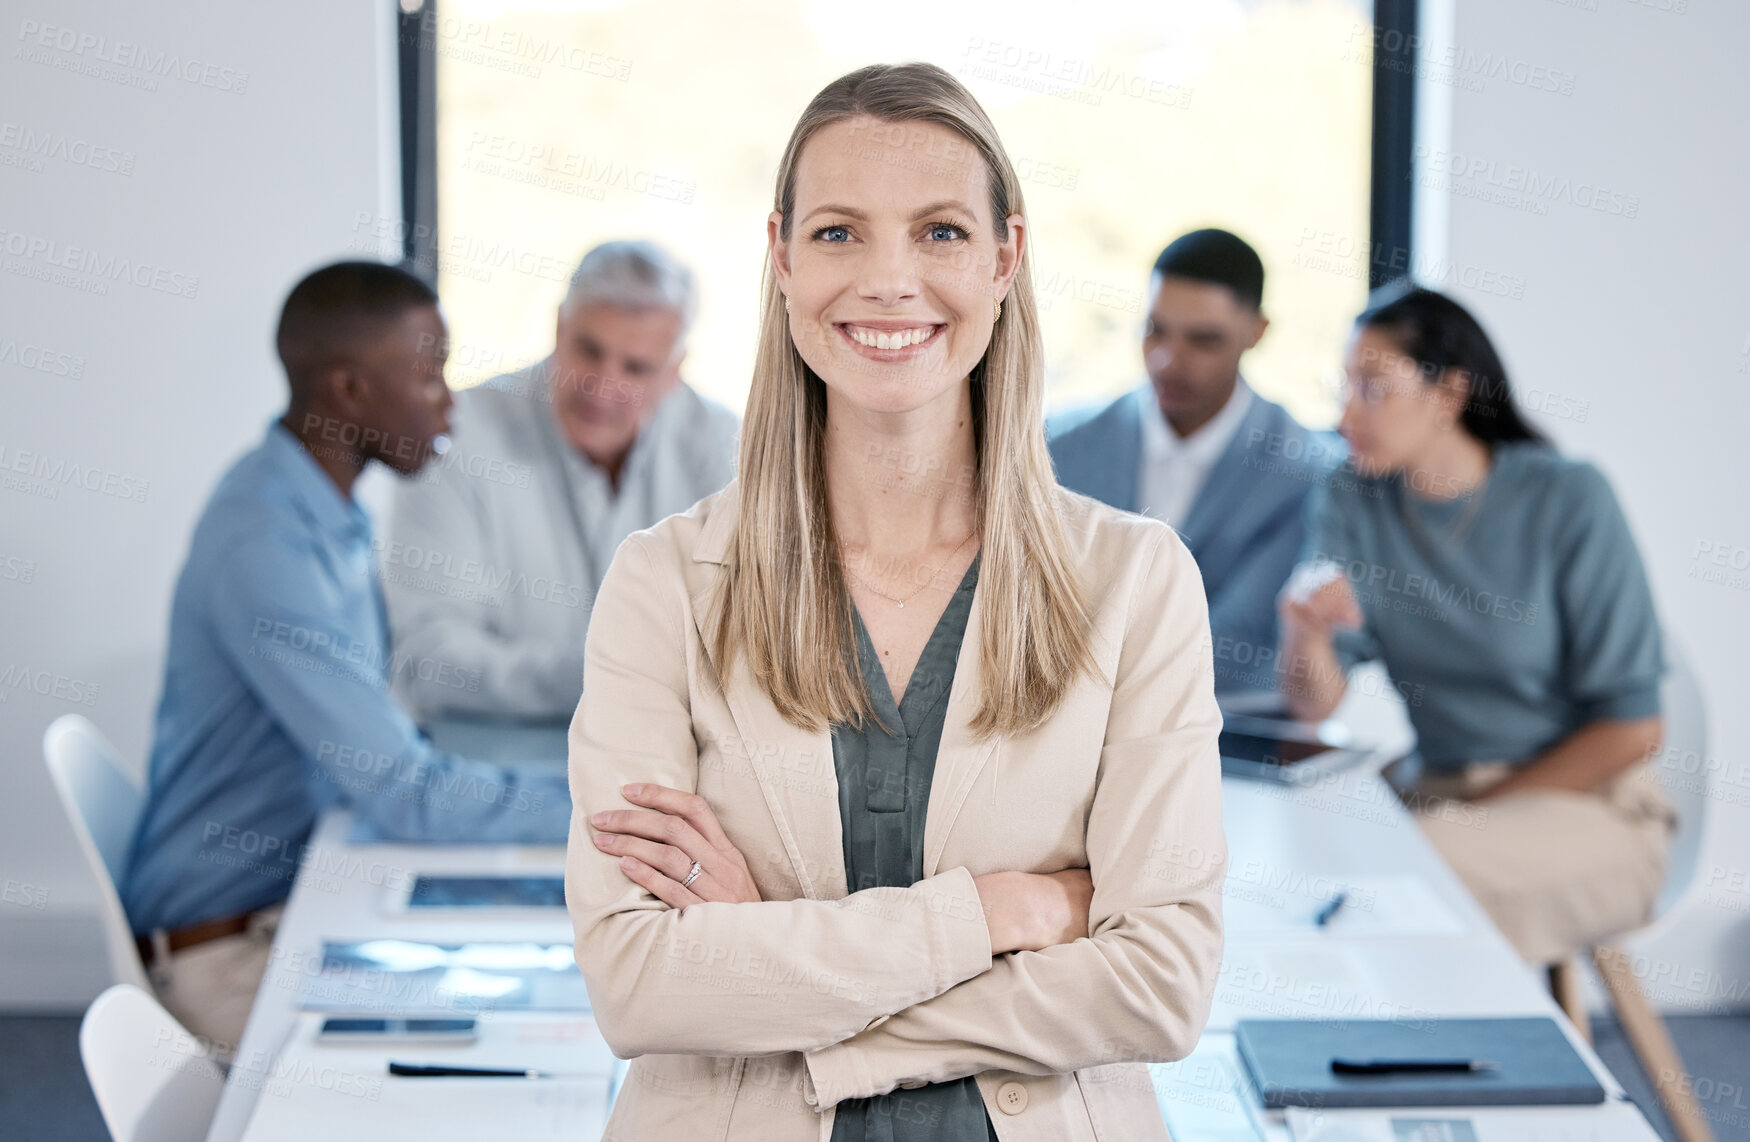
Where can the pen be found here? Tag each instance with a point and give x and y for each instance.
(1409, 1066)
(1329, 909)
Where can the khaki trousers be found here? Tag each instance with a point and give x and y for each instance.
(1557, 871)
(211, 987)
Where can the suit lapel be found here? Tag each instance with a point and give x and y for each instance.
(1228, 485)
(1118, 455)
(806, 812)
(1099, 457)
(794, 769)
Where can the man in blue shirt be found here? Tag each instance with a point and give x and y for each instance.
(276, 702)
(1194, 445)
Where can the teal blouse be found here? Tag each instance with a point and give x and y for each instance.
(1506, 622)
(884, 790)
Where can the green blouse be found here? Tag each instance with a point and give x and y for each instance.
(884, 790)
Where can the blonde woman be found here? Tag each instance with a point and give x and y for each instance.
(897, 805)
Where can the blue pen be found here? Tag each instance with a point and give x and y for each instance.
(1324, 914)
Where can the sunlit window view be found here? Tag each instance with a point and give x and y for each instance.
(564, 125)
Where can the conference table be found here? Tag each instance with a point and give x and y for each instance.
(1408, 943)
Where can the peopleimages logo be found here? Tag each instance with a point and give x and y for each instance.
(430, 569)
(47, 684)
(1383, 580)
(40, 474)
(88, 48)
(36, 249)
(36, 144)
(1532, 184)
(41, 360)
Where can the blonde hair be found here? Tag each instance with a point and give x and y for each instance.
(783, 600)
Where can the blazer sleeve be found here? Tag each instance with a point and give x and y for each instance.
(1139, 986)
(720, 978)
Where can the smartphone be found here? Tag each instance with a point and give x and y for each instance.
(350, 1029)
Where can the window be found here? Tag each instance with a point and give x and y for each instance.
(559, 126)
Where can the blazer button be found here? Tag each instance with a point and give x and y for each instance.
(1012, 1098)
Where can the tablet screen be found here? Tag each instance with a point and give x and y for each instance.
(487, 892)
(1263, 750)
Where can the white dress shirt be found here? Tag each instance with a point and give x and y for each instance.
(1173, 468)
(495, 550)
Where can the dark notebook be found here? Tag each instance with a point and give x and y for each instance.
(1290, 1062)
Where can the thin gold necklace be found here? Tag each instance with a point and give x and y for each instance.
(900, 603)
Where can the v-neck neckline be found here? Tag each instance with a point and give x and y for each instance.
(876, 679)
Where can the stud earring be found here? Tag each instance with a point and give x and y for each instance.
(997, 312)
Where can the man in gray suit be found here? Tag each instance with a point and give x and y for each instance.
(1196, 447)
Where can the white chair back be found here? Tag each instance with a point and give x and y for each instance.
(153, 1080)
(103, 799)
(1687, 775)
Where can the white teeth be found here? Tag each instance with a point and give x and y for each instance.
(897, 340)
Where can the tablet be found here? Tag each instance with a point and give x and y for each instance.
(1293, 752)
(431, 892)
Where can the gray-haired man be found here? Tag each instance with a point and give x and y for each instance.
(494, 555)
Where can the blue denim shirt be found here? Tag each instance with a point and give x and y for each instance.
(276, 706)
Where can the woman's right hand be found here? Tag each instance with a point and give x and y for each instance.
(1028, 911)
(1317, 601)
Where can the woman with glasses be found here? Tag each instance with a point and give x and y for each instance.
(875, 837)
(1499, 584)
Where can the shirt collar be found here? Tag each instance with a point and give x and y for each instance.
(1204, 445)
(339, 516)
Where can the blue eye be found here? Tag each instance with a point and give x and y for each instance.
(829, 229)
(956, 232)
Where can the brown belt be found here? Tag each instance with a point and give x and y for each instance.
(193, 934)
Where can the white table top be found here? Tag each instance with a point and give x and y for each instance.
(1409, 942)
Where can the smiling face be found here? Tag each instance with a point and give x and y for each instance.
(892, 261)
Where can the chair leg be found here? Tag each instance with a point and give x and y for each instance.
(1651, 1042)
(1564, 984)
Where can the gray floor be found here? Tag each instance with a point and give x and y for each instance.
(44, 1096)
(43, 1093)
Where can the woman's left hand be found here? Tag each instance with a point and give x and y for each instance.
(657, 846)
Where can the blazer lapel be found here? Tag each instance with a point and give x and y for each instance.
(1117, 454)
(1228, 486)
(806, 812)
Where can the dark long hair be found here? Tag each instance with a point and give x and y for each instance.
(1440, 334)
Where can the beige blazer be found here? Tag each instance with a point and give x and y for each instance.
(752, 1021)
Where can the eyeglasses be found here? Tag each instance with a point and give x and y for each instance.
(1368, 390)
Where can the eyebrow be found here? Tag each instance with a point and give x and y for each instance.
(852, 212)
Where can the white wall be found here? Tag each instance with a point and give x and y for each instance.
(1631, 330)
(271, 128)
